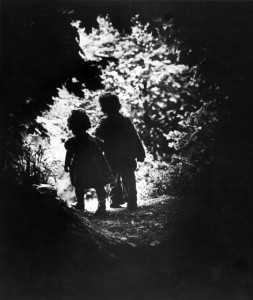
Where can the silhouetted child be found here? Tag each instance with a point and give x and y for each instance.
(122, 146)
(85, 161)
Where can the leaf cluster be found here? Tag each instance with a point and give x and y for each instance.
(154, 87)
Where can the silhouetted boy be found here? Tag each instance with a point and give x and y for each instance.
(122, 146)
(85, 161)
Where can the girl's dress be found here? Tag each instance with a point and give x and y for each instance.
(89, 168)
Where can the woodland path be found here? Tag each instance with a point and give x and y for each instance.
(149, 265)
(155, 265)
(144, 227)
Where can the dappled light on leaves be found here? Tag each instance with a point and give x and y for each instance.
(147, 76)
(158, 92)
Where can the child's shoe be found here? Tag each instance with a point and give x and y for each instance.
(101, 209)
(132, 206)
(115, 205)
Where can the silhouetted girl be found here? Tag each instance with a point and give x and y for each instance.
(85, 161)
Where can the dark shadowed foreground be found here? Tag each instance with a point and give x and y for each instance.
(54, 252)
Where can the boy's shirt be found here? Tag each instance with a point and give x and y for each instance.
(121, 141)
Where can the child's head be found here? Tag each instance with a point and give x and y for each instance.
(78, 121)
(109, 103)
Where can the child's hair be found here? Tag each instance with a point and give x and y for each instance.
(109, 103)
(78, 121)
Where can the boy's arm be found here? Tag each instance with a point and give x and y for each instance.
(140, 151)
(141, 154)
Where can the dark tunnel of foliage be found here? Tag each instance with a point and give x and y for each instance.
(40, 54)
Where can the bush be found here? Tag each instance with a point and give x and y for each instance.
(160, 94)
(156, 90)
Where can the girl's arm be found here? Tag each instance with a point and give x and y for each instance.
(69, 154)
(68, 159)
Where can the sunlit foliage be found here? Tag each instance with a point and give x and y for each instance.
(155, 89)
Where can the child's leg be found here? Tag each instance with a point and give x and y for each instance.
(116, 194)
(80, 198)
(101, 194)
(129, 186)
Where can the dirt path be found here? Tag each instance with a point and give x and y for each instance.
(145, 226)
